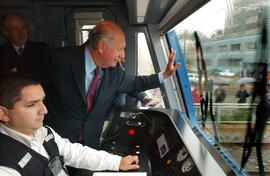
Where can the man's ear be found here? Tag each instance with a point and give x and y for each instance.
(100, 46)
(4, 114)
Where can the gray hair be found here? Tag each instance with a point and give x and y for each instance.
(102, 31)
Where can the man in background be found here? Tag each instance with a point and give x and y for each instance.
(242, 94)
(19, 54)
(220, 94)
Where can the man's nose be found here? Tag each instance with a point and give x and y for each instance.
(122, 56)
(43, 109)
(21, 30)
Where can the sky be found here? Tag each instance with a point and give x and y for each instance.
(207, 19)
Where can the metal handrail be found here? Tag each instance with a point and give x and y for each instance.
(219, 106)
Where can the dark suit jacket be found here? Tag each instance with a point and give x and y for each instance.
(34, 56)
(66, 97)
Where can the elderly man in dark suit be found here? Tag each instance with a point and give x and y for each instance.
(83, 81)
(18, 53)
(73, 113)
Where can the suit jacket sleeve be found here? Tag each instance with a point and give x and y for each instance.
(135, 84)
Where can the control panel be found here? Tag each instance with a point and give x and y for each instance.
(153, 136)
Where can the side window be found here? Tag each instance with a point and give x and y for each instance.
(231, 50)
(84, 22)
(83, 33)
(145, 66)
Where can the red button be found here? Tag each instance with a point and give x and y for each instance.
(131, 132)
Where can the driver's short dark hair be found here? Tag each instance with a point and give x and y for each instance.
(11, 85)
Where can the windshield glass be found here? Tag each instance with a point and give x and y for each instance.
(230, 33)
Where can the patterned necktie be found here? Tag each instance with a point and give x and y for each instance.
(92, 90)
(20, 50)
(90, 97)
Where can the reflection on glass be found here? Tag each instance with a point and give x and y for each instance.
(145, 67)
(230, 33)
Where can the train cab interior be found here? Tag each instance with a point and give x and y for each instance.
(187, 130)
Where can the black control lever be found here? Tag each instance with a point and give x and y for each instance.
(135, 120)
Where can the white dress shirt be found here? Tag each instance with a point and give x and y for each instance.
(90, 67)
(74, 154)
(17, 48)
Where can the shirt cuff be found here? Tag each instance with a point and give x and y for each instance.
(116, 164)
(141, 96)
(160, 77)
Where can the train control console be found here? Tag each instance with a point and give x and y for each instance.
(164, 140)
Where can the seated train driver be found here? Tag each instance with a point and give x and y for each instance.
(31, 149)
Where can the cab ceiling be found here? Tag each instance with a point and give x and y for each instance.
(147, 11)
(165, 13)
